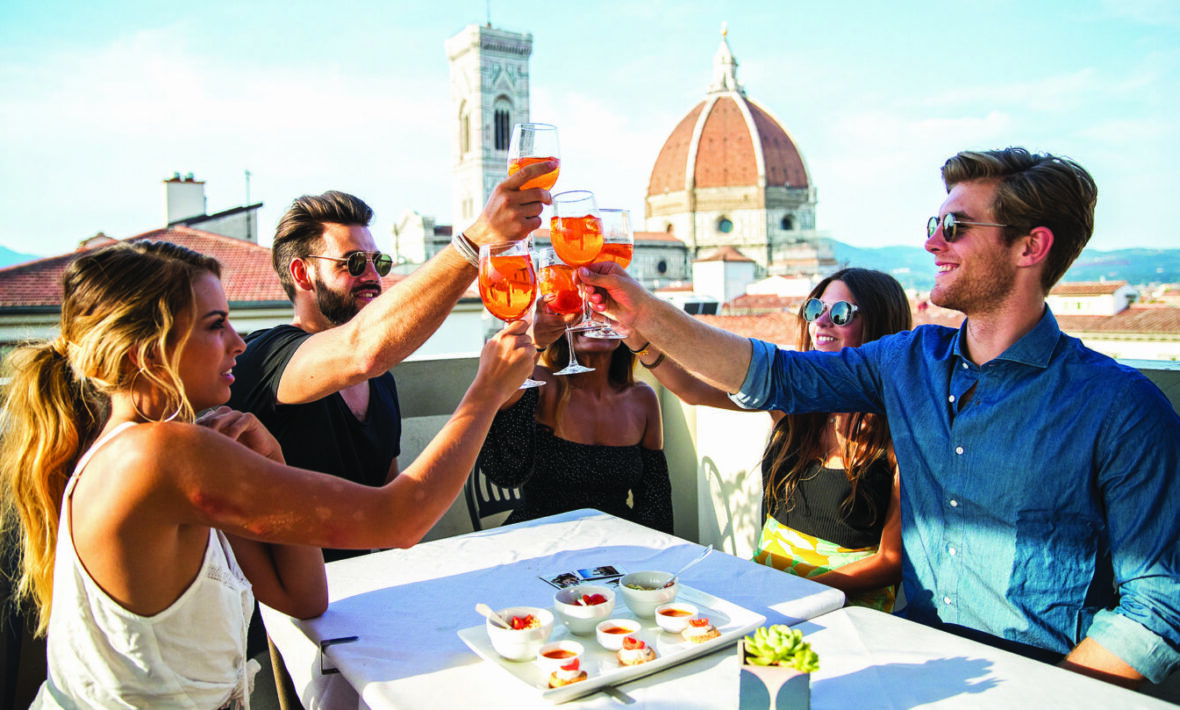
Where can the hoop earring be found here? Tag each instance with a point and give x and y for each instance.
(138, 411)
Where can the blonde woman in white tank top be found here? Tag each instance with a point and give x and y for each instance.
(143, 576)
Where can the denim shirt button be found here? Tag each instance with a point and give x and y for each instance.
(946, 600)
(964, 366)
(954, 503)
(951, 550)
(959, 450)
(951, 398)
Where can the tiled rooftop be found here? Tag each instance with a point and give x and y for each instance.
(725, 253)
(1087, 288)
(780, 328)
(246, 270)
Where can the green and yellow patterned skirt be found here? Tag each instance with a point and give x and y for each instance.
(803, 555)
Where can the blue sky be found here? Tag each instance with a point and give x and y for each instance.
(102, 101)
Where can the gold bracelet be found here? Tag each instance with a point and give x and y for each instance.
(655, 364)
(641, 351)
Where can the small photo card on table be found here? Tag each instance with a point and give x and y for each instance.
(606, 575)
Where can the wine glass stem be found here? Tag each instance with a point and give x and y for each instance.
(587, 313)
(569, 337)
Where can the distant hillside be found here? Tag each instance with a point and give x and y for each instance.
(914, 267)
(9, 257)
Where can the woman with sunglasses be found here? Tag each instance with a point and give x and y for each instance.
(145, 536)
(588, 440)
(830, 481)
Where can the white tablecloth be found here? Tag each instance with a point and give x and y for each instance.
(408, 605)
(873, 660)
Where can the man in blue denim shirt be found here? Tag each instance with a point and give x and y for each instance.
(1040, 480)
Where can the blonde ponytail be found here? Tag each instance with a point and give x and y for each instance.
(122, 304)
(46, 422)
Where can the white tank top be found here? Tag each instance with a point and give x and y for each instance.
(191, 655)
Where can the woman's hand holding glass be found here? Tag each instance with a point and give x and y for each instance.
(506, 360)
(618, 245)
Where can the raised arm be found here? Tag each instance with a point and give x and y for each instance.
(720, 358)
(400, 320)
(680, 382)
(207, 479)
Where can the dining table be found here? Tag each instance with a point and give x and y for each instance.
(870, 659)
(407, 607)
(402, 614)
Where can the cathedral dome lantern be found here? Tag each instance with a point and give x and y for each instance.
(730, 174)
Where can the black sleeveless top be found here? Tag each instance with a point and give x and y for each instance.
(556, 475)
(819, 503)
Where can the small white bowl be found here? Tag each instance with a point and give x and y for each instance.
(643, 602)
(676, 621)
(520, 644)
(556, 654)
(582, 619)
(613, 642)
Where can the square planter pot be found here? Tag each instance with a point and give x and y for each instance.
(771, 687)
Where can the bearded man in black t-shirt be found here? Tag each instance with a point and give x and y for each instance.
(322, 384)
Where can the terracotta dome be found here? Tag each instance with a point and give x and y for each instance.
(727, 141)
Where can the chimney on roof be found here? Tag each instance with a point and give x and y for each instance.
(184, 198)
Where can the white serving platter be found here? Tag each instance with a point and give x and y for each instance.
(603, 668)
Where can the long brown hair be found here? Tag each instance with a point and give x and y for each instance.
(797, 440)
(121, 303)
(620, 373)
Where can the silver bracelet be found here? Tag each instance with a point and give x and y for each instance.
(468, 250)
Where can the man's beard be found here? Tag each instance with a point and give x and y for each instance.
(339, 307)
(980, 291)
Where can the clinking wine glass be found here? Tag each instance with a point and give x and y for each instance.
(508, 284)
(534, 143)
(618, 245)
(576, 232)
(556, 280)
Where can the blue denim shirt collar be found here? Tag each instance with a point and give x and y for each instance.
(1035, 348)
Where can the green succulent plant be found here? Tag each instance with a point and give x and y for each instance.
(780, 645)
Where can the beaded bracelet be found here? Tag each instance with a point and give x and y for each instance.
(655, 364)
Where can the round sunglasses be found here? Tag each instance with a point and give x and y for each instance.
(840, 312)
(358, 260)
(950, 226)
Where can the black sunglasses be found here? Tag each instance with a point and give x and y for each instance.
(358, 260)
(950, 226)
(841, 312)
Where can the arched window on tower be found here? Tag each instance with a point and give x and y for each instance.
(501, 130)
(502, 123)
(788, 222)
(464, 129)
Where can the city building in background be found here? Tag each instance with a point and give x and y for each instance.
(185, 206)
(730, 175)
